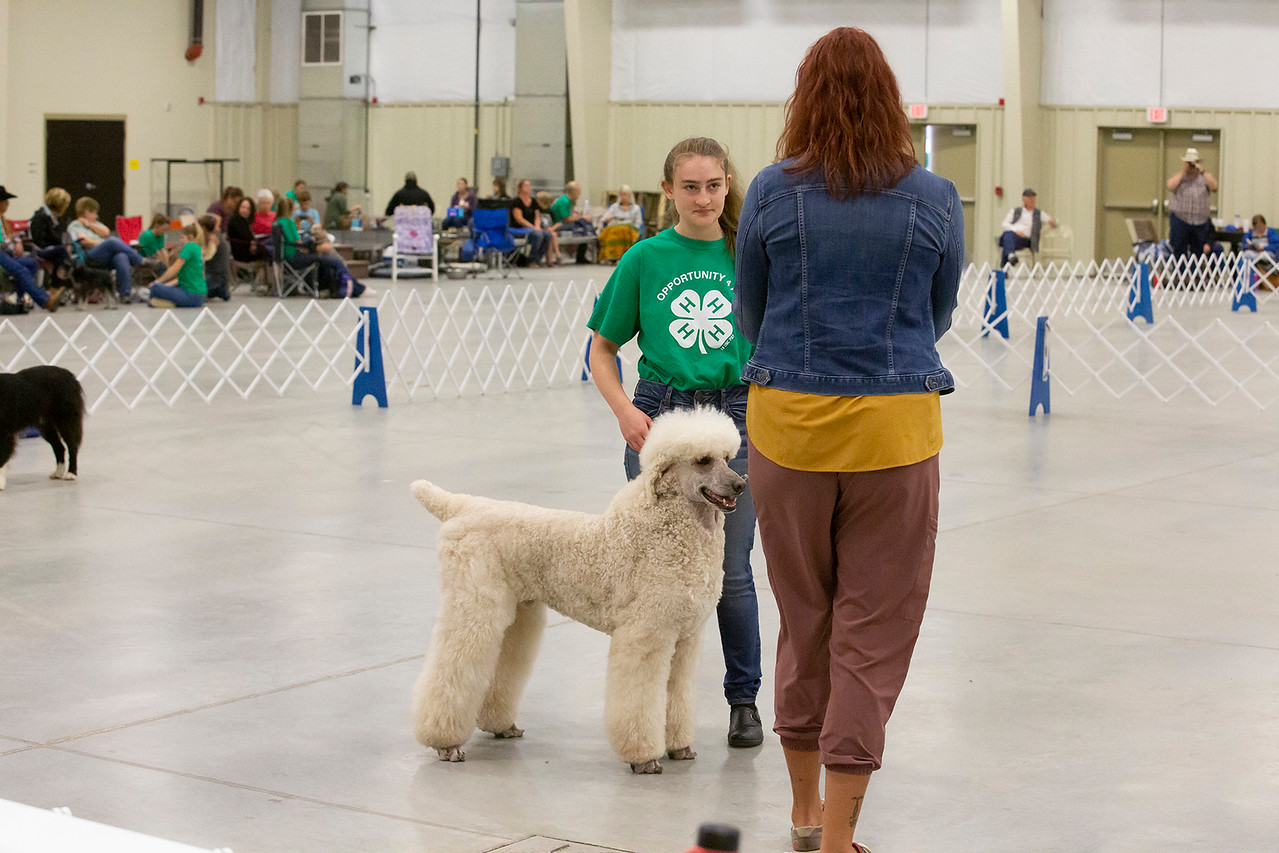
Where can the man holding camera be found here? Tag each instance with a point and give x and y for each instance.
(1189, 216)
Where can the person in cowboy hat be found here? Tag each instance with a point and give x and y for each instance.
(20, 266)
(1189, 216)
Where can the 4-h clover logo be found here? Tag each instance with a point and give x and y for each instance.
(701, 321)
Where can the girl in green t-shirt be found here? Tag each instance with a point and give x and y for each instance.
(187, 269)
(674, 291)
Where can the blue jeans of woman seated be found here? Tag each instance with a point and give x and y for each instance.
(22, 272)
(177, 296)
(738, 609)
(120, 256)
(332, 271)
(538, 243)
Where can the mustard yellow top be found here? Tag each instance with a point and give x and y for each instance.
(812, 432)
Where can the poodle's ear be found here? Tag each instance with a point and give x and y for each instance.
(653, 480)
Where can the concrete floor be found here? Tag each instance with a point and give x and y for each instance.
(213, 635)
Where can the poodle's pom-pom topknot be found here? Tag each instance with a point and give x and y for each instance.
(688, 434)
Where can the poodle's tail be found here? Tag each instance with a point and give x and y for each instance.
(443, 505)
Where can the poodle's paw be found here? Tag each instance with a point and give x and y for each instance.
(58, 473)
(684, 753)
(513, 732)
(650, 766)
(451, 753)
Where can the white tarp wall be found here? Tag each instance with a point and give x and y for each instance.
(234, 78)
(943, 51)
(286, 51)
(424, 50)
(1172, 53)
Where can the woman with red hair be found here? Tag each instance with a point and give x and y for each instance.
(847, 265)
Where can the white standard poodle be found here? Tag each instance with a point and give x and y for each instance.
(648, 572)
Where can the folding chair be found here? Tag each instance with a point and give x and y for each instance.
(287, 278)
(414, 239)
(129, 228)
(493, 237)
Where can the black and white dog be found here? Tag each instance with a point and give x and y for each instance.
(51, 399)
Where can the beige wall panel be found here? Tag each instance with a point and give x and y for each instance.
(434, 140)
(161, 110)
(1249, 180)
(265, 139)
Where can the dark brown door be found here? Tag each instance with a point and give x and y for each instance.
(86, 157)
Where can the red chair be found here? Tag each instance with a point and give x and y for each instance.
(129, 228)
(19, 227)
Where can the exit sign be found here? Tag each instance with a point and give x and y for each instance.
(918, 111)
(1157, 115)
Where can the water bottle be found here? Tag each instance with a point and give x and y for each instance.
(716, 838)
(1238, 222)
(355, 223)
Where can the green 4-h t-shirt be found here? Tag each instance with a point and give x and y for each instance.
(561, 208)
(676, 293)
(149, 243)
(191, 276)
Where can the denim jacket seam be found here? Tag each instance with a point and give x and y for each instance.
(897, 286)
(803, 275)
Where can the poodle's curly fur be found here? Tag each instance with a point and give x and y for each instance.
(648, 572)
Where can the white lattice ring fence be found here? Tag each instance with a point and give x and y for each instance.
(441, 342)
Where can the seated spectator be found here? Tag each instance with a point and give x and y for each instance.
(624, 211)
(550, 226)
(187, 270)
(217, 258)
(499, 189)
(20, 266)
(620, 226)
(244, 248)
(299, 186)
(265, 213)
(47, 229)
(525, 220)
(460, 206)
(101, 248)
(1261, 240)
(151, 241)
(1021, 228)
(410, 193)
(225, 207)
(567, 219)
(338, 212)
(306, 216)
(300, 251)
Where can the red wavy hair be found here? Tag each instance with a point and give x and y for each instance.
(845, 117)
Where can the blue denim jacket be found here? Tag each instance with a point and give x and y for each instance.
(848, 298)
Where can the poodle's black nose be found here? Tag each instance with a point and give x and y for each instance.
(739, 486)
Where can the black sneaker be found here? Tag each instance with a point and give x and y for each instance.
(744, 727)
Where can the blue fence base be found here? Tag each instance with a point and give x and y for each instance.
(1245, 281)
(586, 361)
(1040, 394)
(371, 380)
(996, 306)
(1139, 304)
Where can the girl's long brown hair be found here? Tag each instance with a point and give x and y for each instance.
(845, 116)
(702, 146)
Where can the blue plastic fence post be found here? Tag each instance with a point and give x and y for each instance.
(1039, 391)
(996, 306)
(1245, 281)
(1139, 295)
(370, 379)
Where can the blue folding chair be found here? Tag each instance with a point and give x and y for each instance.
(493, 238)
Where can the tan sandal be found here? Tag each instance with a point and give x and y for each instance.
(805, 838)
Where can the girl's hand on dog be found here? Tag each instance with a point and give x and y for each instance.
(635, 426)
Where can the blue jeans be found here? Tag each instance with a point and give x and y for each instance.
(1010, 242)
(538, 243)
(177, 296)
(738, 610)
(1187, 239)
(23, 273)
(120, 256)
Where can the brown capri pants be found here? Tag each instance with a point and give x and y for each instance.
(850, 557)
